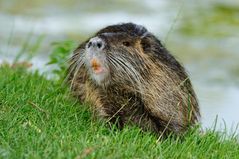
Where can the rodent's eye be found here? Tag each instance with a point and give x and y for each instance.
(126, 43)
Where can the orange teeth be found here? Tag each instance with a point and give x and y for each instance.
(96, 66)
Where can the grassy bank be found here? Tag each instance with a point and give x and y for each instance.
(38, 119)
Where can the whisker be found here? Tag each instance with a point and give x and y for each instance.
(72, 62)
(79, 64)
(130, 72)
(75, 66)
(133, 72)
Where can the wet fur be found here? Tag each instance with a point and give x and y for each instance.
(147, 86)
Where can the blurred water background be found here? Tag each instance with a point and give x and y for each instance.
(203, 35)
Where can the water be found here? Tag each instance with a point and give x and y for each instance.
(208, 48)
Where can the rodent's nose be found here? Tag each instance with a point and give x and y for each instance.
(96, 43)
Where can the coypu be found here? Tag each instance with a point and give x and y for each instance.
(130, 78)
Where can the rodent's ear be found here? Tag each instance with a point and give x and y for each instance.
(149, 41)
(145, 43)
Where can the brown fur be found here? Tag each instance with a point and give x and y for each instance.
(153, 91)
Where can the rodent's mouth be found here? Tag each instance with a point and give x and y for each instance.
(96, 66)
(98, 71)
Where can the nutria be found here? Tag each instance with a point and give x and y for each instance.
(130, 78)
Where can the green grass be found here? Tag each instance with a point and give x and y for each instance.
(39, 119)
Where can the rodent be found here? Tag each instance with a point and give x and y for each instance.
(130, 78)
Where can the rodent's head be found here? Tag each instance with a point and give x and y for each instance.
(116, 53)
